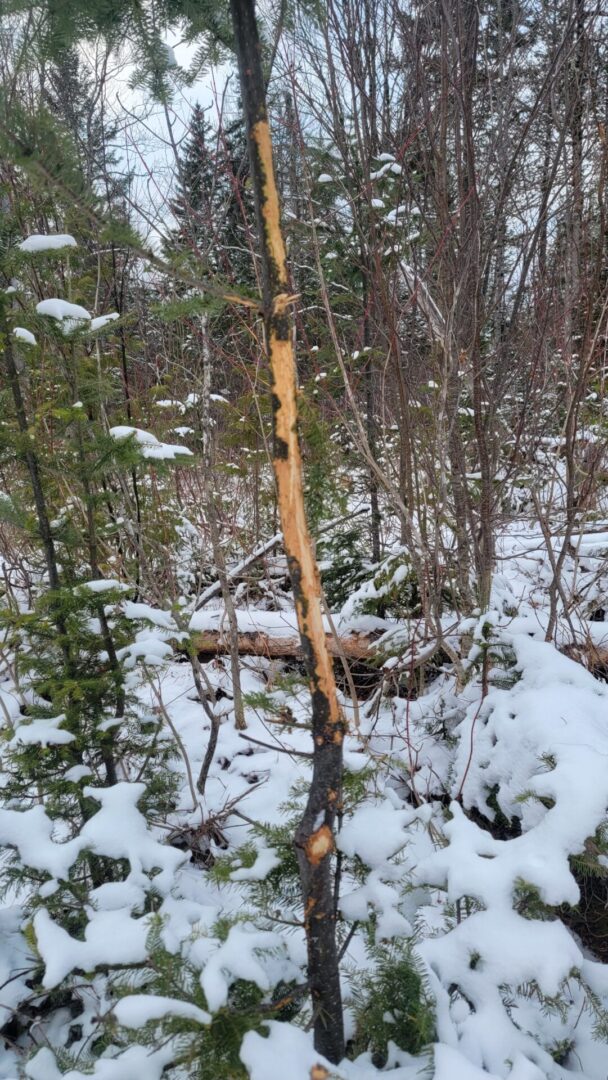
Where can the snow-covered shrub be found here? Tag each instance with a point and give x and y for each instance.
(510, 982)
(79, 856)
(393, 590)
(204, 997)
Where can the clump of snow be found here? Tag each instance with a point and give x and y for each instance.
(169, 403)
(138, 1009)
(45, 732)
(324, 178)
(15, 958)
(285, 1050)
(47, 242)
(137, 1061)
(24, 335)
(266, 861)
(149, 614)
(71, 316)
(77, 773)
(247, 953)
(103, 320)
(110, 937)
(149, 646)
(375, 833)
(379, 173)
(150, 446)
(100, 585)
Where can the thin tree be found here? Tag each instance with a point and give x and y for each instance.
(315, 835)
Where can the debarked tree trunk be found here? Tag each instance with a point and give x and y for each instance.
(315, 835)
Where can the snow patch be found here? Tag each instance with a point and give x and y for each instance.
(71, 316)
(150, 446)
(138, 1009)
(24, 335)
(47, 242)
(103, 320)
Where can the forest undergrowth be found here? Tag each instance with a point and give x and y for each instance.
(303, 541)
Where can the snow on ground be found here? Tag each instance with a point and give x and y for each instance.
(531, 751)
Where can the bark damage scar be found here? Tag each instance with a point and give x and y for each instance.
(320, 844)
(260, 136)
(281, 302)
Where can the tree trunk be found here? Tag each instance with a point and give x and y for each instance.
(211, 512)
(315, 835)
(30, 458)
(257, 643)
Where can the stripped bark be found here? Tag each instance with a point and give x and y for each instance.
(315, 835)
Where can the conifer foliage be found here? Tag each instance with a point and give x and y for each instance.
(212, 204)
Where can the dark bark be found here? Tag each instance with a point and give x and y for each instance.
(30, 458)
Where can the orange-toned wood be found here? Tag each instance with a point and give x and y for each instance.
(353, 647)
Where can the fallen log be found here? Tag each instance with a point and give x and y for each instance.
(257, 643)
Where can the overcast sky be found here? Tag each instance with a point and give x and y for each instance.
(148, 130)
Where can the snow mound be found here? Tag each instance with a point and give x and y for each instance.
(535, 751)
(46, 732)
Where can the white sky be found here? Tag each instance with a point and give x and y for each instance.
(147, 128)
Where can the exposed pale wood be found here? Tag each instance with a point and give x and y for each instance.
(353, 647)
(314, 838)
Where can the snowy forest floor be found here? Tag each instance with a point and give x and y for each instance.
(473, 818)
